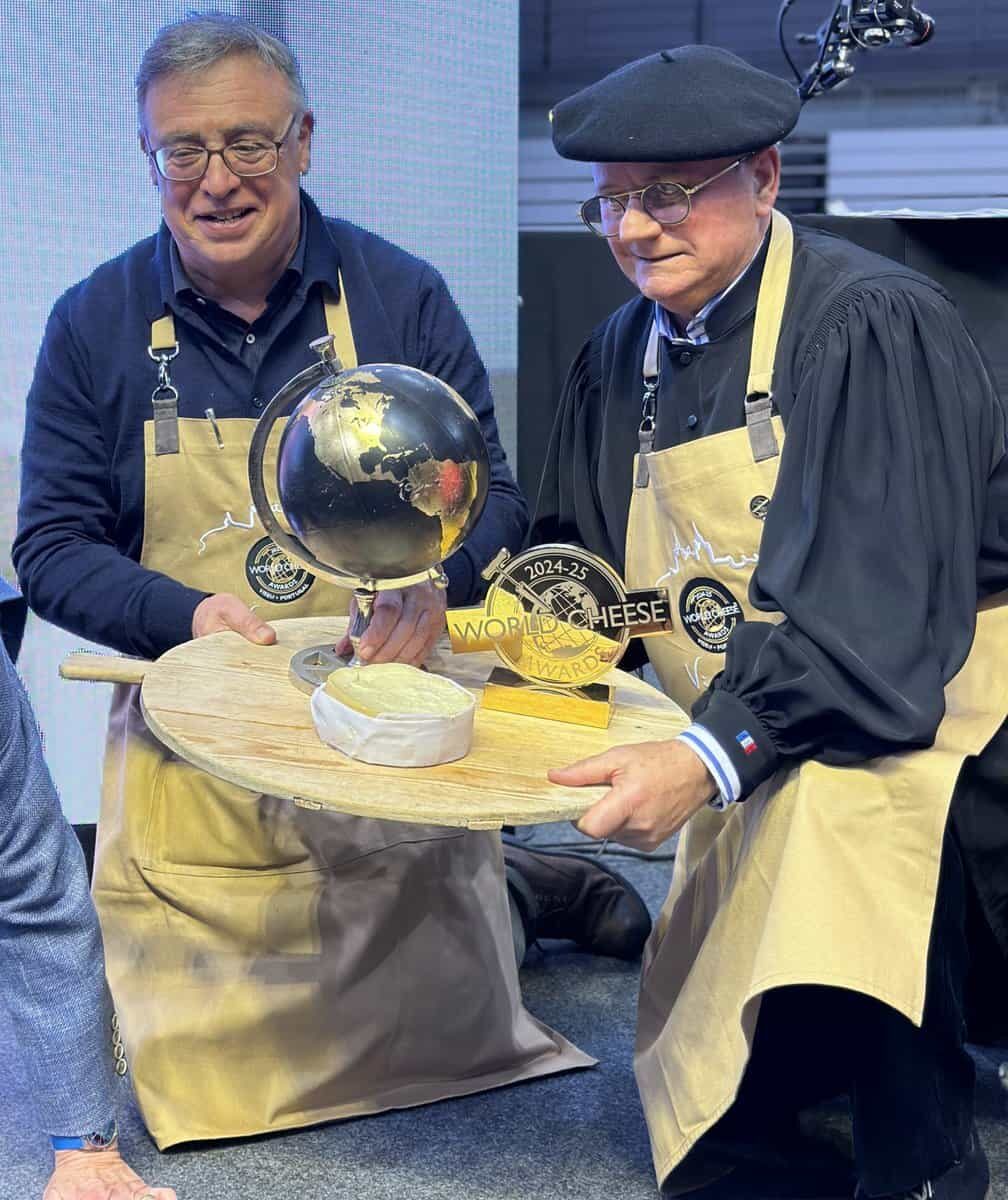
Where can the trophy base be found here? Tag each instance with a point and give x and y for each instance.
(311, 667)
(590, 705)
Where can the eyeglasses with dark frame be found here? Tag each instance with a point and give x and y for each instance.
(665, 202)
(247, 157)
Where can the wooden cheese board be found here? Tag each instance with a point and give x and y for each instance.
(229, 708)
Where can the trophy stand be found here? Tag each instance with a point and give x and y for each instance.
(365, 598)
(559, 619)
(312, 666)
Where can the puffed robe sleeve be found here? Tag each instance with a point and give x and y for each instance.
(870, 547)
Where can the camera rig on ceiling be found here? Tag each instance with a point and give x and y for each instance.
(854, 25)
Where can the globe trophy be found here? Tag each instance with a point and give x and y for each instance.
(382, 472)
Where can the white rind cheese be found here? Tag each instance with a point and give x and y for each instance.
(394, 715)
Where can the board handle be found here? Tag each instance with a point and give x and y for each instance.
(103, 668)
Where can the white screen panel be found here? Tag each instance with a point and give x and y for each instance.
(416, 107)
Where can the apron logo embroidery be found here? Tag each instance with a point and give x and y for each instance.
(272, 575)
(696, 549)
(699, 680)
(758, 506)
(709, 613)
(231, 523)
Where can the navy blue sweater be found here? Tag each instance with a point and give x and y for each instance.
(81, 517)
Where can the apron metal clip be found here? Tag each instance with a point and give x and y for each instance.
(164, 400)
(645, 434)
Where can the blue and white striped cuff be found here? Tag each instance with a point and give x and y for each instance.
(709, 750)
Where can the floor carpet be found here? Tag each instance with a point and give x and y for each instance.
(579, 1136)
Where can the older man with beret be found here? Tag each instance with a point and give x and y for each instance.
(799, 440)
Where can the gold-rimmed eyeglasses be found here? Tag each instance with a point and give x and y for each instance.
(665, 202)
(247, 156)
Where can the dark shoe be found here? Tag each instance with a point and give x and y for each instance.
(570, 896)
(763, 1183)
(773, 1162)
(968, 1179)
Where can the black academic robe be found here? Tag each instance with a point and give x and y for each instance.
(889, 518)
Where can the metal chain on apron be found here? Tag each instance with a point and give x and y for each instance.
(649, 407)
(164, 399)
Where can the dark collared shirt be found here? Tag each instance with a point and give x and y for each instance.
(230, 329)
(81, 517)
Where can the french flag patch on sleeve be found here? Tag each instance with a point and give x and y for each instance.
(745, 740)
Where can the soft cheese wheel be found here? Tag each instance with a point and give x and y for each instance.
(394, 715)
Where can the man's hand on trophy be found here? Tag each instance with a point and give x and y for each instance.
(654, 788)
(224, 611)
(405, 625)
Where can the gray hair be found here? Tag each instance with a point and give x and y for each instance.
(201, 40)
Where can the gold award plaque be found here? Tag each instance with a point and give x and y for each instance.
(559, 618)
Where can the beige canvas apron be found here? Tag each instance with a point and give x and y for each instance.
(274, 967)
(825, 875)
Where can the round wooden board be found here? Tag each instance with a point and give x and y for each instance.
(228, 707)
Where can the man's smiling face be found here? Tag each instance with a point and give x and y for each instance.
(224, 224)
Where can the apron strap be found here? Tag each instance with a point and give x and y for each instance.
(759, 426)
(766, 334)
(162, 335)
(337, 318)
(162, 349)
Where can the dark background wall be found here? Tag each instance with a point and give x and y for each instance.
(569, 283)
(925, 127)
(568, 42)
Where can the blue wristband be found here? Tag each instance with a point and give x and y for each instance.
(102, 1139)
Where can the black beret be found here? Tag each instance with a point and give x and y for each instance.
(682, 105)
